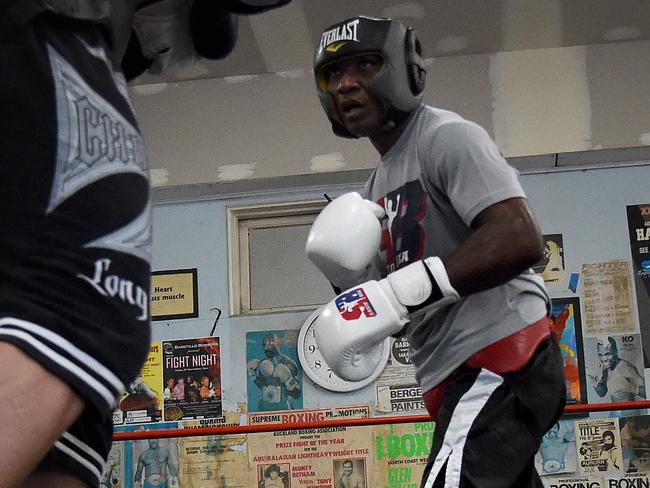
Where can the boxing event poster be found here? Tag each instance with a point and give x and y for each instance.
(614, 368)
(312, 458)
(132, 450)
(574, 482)
(551, 266)
(566, 325)
(607, 297)
(192, 379)
(273, 371)
(638, 222)
(557, 452)
(631, 480)
(396, 388)
(635, 439)
(143, 399)
(310, 415)
(113, 472)
(598, 443)
(213, 461)
(401, 452)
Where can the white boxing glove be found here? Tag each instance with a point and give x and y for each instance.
(344, 238)
(265, 368)
(356, 321)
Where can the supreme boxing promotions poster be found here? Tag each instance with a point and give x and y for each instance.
(638, 222)
(192, 378)
(324, 457)
(274, 372)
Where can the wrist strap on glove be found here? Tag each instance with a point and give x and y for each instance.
(422, 284)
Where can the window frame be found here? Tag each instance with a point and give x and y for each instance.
(241, 220)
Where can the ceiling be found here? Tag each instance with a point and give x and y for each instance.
(552, 103)
(282, 40)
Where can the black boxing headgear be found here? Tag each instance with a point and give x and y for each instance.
(399, 83)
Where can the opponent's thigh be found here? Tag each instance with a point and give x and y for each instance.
(37, 408)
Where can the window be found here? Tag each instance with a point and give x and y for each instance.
(268, 268)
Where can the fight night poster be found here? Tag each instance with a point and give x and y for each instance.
(638, 221)
(192, 379)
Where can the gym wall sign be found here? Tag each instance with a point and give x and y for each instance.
(174, 294)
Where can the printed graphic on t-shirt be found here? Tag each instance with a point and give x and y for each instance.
(403, 236)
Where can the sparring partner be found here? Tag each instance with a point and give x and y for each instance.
(446, 262)
(75, 233)
(169, 35)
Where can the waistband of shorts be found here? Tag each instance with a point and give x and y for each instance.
(507, 355)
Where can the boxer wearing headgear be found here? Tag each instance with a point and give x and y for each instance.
(452, 270)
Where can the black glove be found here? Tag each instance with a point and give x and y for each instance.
(248, 7)
(214, 29)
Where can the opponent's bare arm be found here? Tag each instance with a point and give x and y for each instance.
(505, 241)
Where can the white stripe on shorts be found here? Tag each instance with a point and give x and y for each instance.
(78, 458)
(467, 409)
(82, 446)
(29, 333)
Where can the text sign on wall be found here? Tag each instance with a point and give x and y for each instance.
(174, 294)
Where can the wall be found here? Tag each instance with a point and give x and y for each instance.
(532, 102)
(587, 206)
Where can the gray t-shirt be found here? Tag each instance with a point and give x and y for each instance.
(442, 172)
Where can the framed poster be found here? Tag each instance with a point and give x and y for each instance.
(174, 294)
(566, 325)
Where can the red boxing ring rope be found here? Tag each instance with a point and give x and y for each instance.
(401, 419)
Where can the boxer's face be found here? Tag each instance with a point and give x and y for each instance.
(606, 357)
(348, 84)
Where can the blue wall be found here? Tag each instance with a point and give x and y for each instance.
(587, 206)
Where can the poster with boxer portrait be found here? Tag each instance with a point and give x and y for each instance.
(273, 371)
(113, 472)
(598, 444)
(153, 466)
(557, 452)
(551, 266)
(635, 439)
(614, 369)
(192, 378)
(313, 458)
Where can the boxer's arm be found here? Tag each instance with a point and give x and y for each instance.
(505, 242)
